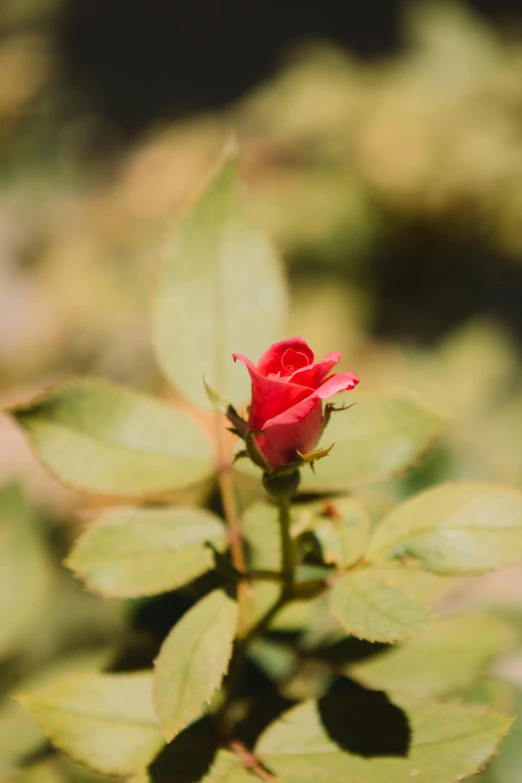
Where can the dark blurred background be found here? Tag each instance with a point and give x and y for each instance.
(139, 62)
(129, 66)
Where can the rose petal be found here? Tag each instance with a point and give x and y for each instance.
(279, 444)
(246, 361)
(270, 362)
(293, 360)
(314, 373)
(342, 381)
(270, 396)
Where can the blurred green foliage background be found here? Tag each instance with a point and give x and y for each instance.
(392, 186)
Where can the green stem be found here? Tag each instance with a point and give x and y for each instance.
(287, 578)
(287, 548)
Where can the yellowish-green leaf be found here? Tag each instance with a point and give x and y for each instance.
(416, 583)
(47, 771)
(77, 773)
(220, 291)
(227, 769)
(193, 660)
(136, 552)
(296, 616)
(507, 766)
(366, 605)
(460, 528)
(342, 528)
(262, 533)
(378, 437)
(321, 627)
(102, 438)
(444, 662)
(104, 721)
(449, 742)
(24, 570)
(19, 734)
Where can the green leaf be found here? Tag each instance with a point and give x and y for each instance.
(296, 616)
(42, 772)
(446, 661)
(24, 571)
(220, 291)
(369, 607)
(76, 773)
(19, 734)
(460, 528)
(102, 438)
(262, 534)
(193, 660)
(416, 583)
(449, 742)
(322, 629)
(104, 721)
(137, 552)
(507, 766)
(227, 769)
(492, 692)
(342, 528)
(379, 437)
(277, 660)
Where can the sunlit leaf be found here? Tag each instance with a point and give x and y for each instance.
(193, 660)
(77, 773)
(220, 291)
(366, 605)
(227, 769)
(262, 533)
(276, 659)
(341, 527)
(424, 585)
(448, 660)
(460, 528)
(449, 742)
(322, 628)
(507, 766)
(24, 570)
(492, 692)
(19, 734)
(104, 721)
(47, 771)
(138, 552)
(296, 616)
(106, 439)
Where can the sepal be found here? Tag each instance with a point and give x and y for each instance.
(239, 425)
(311, 457)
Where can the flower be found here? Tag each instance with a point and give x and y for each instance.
(288, 388)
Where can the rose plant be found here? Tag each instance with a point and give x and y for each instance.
(284, 578)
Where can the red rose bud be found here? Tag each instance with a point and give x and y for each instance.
(288, 388)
